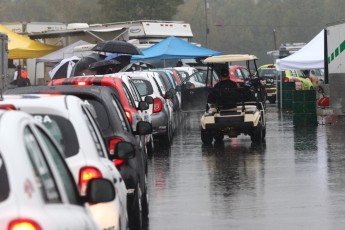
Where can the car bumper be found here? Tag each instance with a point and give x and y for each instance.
(160, 122)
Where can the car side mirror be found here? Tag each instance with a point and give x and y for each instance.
(149, 99)
(143, 128)
(99, 190)
(123, 150)
(143, 105)
(188, 85)
(168, 95)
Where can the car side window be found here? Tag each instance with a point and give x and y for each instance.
(135, 91)
(128, 95)
(246, 74)
(165, 82)
(121, 113)
(5, 185)
(183, 74)
(45, 179)
(158, 86)
(65, 174)
(239, 73)
(95, 135)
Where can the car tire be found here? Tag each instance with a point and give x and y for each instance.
(258, 133)
(166, 138)
(206, 137)
(150, 147)
(272, 100)
(136, 212)
(145, 209)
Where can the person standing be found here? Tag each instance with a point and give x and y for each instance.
(21, 77)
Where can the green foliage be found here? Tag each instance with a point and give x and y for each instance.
(129, 10)
(246, 26)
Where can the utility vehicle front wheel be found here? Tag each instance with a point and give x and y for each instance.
(206, 137)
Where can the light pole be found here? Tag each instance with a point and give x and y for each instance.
(206, 22)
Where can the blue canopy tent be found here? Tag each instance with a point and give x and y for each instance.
(174, 48)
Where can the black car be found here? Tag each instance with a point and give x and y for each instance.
(115, 127)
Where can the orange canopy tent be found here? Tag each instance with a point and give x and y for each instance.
(21, 47)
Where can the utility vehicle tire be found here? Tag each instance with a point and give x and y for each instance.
(219, 137)
(206, 137)
(272, 100)
(258, 133)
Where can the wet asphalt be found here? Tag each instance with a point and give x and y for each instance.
(295, 180)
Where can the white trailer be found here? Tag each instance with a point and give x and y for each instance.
(336, 66)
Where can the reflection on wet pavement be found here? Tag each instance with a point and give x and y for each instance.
(295, 180)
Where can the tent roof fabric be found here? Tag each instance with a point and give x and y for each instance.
(62, 53)
(174, 48)
(310, 56)
(21, 47)
(230, 58)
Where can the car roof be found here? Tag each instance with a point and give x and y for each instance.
(93, 90)
(230, 58)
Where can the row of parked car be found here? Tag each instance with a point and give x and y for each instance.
(84, 148)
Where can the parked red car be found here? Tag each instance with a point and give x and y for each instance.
(125, 97)
(239, 74)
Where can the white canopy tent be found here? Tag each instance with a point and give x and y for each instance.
(310, 56)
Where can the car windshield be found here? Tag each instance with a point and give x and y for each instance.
(144, 87)
(5, 187)
(63, 132)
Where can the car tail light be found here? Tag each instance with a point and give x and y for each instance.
(86, 174)
(8, 107)
(23, 224)
(157, 105)
(285, 79)
(129, 116)
(192, 86)
(81, 83)
(112, 142)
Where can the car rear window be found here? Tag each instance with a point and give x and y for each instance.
(5, 186)
(267, 72)
(144, 87)
(63, 132)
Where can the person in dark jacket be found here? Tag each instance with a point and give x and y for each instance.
(21, 77)
(225, 93)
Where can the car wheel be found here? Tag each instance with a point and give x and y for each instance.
(167, 135)
(145, 209)
(257, 134)
(150, 147)
(136, 212)
(219, 137)
(206, 137)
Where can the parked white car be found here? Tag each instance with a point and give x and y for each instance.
(145, 114)
(70, 121)
(149, 84)
(196, 81)
(37, 189)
